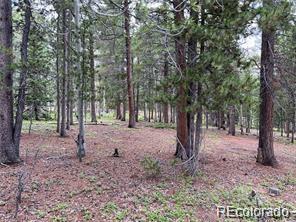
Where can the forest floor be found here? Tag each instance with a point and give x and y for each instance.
(57, 188)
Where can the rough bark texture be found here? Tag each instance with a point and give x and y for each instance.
(7, 146)
(265, 149)
(182, 129)
(23, 78)
(132, 120)
(92, 78)
(192, 53)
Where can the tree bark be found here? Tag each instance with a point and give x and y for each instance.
(165, 76)
(265, 154)
(58, 75)
(241, 119)
(69, 83)
(92, 77)
(118, 110)
(64, 77)
(80, 139)
(231, 129)
(249, 125)
(137, 102)
(132, 121)
(124, 111)
(7, 146)
(180, 42)
(23, 78)
(207, 120)
(145, 112)
(293, 123)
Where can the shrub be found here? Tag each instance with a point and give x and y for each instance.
(151, 166)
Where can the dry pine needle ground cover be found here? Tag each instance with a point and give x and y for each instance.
(56, 187)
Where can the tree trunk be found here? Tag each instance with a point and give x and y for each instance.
(265, 154)
(182, 129)
(149, 114)
(58, 75)
(287, 126)
(65, 74)
(145, 112)
(137, 102)
(80, 139)
(124, 111)
(191, 126)
(7, 146)
(282, 122)
(71, 112)
(92, 78)
(231, 129)
(118, 110)
(241, 119)
(173, 114)
(165, 76)
(293, 123)
(248, 128)
(132, 121)
(23, 78)
(207, 120)
(220, 120)
(69, 83)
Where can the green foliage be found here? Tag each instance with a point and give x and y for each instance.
(160, 125)
(40, 214)
(87, 215)
(110, 208)
(58, 219)
(151, 166)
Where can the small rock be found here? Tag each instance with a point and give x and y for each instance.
(2, 203)
(273, 191)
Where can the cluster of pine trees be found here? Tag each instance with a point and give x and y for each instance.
(164, 61)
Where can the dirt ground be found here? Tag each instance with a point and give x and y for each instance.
(56, 187)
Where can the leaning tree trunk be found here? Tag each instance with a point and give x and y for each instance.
(80, 139)
(23, 78)
(7, 146)
(92, 77)
(265, 154)
(182, 129)
(132, 120)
